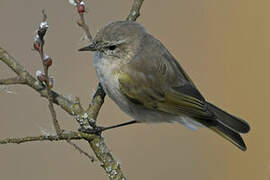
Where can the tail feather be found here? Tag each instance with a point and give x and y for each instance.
(229, 134)
(227, 126)
(234, 123)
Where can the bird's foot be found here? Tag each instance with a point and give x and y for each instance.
(96, 130)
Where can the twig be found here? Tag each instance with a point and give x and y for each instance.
(64, 136)
(46, 62)
(46, 71)
(44, 15)
(81, 21)
(135, 10)
(92, 159)
(85, 28)
(96, 102)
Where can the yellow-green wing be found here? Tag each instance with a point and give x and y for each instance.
(153, 95)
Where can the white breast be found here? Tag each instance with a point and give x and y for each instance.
(105, 69)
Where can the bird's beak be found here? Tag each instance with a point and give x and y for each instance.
(91, 47)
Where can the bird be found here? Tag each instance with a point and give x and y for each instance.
(144, 79)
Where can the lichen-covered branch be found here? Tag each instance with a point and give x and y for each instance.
(64, 136)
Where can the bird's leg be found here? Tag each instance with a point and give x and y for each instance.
(119, 125)
(98, 129)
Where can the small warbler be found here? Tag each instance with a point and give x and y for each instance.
(142, 77)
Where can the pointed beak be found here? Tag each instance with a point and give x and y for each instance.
(91, 47)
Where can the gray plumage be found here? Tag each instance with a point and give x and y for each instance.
(141, 76)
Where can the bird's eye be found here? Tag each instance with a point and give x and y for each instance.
(112, 47)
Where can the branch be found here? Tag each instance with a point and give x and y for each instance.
(64, 136)
(12, 81)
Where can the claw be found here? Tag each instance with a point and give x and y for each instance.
(97, 130)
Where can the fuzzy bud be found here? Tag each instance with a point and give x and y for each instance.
(36, 46)
(43, 27)
(47, 61)
(81, 7)
(37, 43)
(72, 2)
(40, 76)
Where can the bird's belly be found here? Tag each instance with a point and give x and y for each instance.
(109, 81)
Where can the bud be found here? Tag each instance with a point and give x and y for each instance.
(43, 25)
(81, 7)
(37, 43)
(36, 46)
(42, 29)
(47, 60)
(40, 76)
(72, 2)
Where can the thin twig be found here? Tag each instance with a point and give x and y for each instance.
(44, 15)
(85, 27)
(96, 103)
(92, 159)
(135, 10)
(48, 88)
(63, 136)
(12, 81)
(50, 98)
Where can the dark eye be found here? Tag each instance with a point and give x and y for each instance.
(112, 47)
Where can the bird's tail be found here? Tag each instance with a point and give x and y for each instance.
(232, 122)
(229, 134)
(228, 126)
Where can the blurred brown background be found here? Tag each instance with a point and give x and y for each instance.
(223, 45)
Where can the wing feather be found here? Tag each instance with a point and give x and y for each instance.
(170, 101)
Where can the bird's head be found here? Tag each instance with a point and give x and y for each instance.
(117, 40)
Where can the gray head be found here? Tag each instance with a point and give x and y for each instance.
(118, 39)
